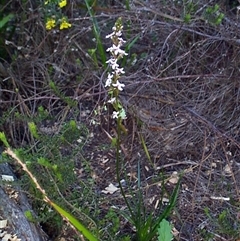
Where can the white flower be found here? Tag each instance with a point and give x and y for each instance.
(119, 33)
(121, 53)
(110, 35)
(109, 49)
(121, 41)
(118, 85)
(119, 71)
(112, 79)
(113, 63)
(112, 49)
(115, 66)
(109, 80)
(116, 50)
(112, 100)
(115, 114)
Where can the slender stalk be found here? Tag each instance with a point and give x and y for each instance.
(118, 163)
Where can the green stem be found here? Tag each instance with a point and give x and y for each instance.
(118, 163)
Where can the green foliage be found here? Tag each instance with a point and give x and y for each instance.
(42, 114)
(145, 149)
(164, 231)
(213, 15)
(109, 224)
(69, 101)
(78, 225)
(111, 215)
(190, 9)
(56, 168)
(147, 223)
(63, 212)
(225, 224)
(4, 139)
(28, 214)
(51, 162)
(5, 20)
(93, 54)
(7, 27)
(127, 5)
(33, 129)
(187, 18)
(114, 142)
(49, 218)
(96, 31)
(132, 58)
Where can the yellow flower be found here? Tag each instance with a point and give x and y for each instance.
(62, 3)
(51, 23)
(65, 24)
(46, 2)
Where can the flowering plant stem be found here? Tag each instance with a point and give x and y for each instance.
(146, 225)
(115, 87)
(118, 164)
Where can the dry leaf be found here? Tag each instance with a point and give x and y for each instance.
(110, 189)
(3, 223)
(227, 170)
(174, 178)
(9, 237)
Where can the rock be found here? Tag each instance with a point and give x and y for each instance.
(12, 208)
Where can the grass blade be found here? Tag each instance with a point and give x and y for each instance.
(96, 32)
(145, 149)
(80, 227)
(5, 20)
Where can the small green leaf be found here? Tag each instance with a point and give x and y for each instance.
(187, 18)
(4, 139)
(114, 141)
(129, 46)
(57, 172)
(215, 8)
(44, 162)
(29, 216)
(55, 167)
(165, 231)
(28, 163)
(122, 114)
(33, 129)
(5, 20)
(145, 149)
